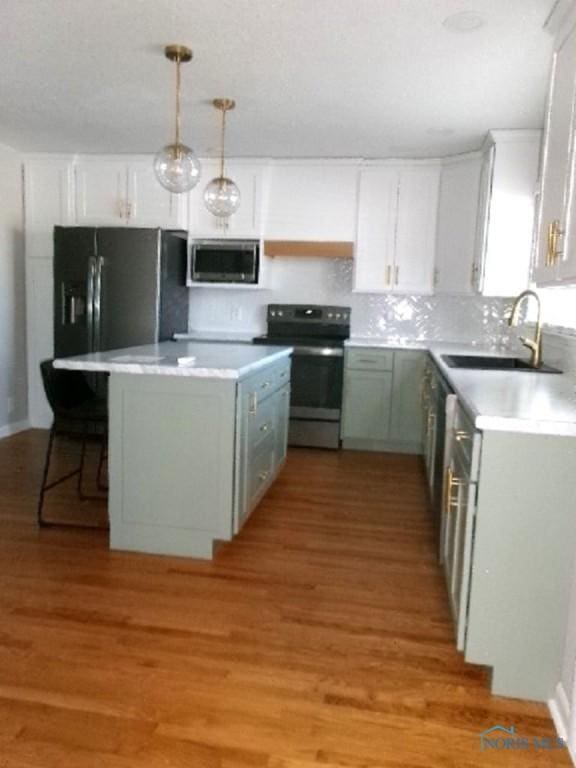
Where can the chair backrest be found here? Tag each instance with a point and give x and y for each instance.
(64, 389)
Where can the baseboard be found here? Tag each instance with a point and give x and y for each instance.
(383, 446)
(559, 707)
(12, 429)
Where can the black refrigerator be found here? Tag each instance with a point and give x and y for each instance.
(117, 287)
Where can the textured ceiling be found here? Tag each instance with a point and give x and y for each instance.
(332, 78)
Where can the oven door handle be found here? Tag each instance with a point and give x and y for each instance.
(319, 351)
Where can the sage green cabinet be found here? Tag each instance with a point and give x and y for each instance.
(381, 406)
(507, 550)
(190, 458)
(262, 434)
(367, 403)
(406, 421)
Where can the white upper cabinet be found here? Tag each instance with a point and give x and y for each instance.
(457, 213)
(116, 192)
(312, 200)
(397, 214)
(505, 223)
(556, 250)
(48, 185)
(251, 179)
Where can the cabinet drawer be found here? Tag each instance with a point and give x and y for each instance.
(262, 384)
(363, 359)
(262, 422)
(261, 471)
(463, 434)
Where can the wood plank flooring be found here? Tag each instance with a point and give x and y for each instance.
(320, 637)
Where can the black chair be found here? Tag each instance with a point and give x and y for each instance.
(78, 413)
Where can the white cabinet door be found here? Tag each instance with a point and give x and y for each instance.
(48, 200)
(116, 192)
(558, 147)
(396, 239)
(101, 194)
(456, 234)
(40, 336)
(416, 229)
(376, 237)
(246, 222)
(150, 205)
(312, 201)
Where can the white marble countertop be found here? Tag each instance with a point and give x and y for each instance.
(222, 337)
(510, 401)
(213, 361)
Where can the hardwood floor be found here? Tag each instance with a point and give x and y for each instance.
(320, 637)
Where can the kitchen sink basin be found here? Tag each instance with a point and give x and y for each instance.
(481, 363)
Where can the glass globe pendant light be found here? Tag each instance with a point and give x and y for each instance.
(222, 196)
(176, 166)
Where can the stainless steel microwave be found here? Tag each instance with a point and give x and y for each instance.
(224, 261)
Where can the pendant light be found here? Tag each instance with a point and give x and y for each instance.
(176, 166)
(222, 196)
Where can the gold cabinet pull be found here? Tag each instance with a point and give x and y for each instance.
(448, 490)
(552, 253)
(396, 274)
(460, 435)
(388, 274)
(451, 482)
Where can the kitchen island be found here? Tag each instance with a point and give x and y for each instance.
(197, 434)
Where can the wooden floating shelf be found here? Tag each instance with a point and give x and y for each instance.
(325, 249)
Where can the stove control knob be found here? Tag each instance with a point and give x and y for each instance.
(330, 315)
(338, 316)
(273, 313)
(280, 313)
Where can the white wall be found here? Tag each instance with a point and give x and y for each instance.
(13, 384)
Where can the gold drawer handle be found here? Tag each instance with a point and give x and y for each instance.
(263, 475)
(461, 434)
(451, 482)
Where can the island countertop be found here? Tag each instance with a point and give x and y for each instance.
(212, 361)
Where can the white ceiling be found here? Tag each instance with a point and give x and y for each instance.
(332, 78)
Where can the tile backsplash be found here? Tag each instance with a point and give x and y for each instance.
(473, 319)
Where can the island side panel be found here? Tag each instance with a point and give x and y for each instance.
(524, 541)
(171, 463)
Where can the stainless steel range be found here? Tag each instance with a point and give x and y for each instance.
(317, 334)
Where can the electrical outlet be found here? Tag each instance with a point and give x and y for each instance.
(235, 312)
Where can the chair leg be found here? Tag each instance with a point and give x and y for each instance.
(103, 456)
(81, 495)
(41, 521)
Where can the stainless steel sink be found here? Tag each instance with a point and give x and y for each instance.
(480, 363)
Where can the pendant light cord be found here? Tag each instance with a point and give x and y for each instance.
(177, 141)
(222, 143)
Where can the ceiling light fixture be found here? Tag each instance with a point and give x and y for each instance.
(464, 21)
(222, 196)
(176, 166)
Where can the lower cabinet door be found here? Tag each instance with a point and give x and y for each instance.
(366, 409)
(260, 472)
(406, 417)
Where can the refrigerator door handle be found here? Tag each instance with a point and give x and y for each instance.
(99, 263)
(90, 289)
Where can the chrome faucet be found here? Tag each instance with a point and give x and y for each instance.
(535, 344)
